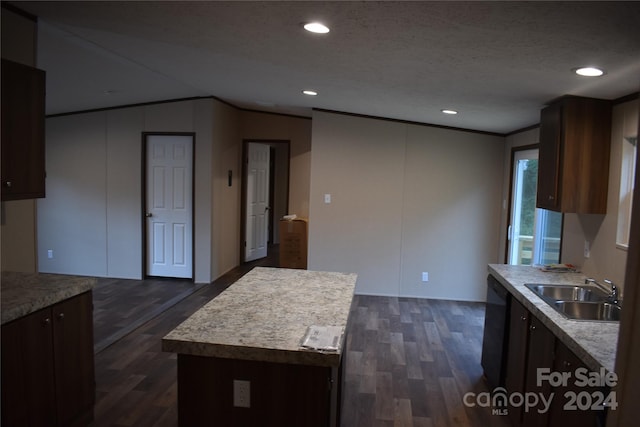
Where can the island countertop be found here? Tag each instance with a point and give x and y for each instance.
(265, 315)
(595, 343)
(26, 293)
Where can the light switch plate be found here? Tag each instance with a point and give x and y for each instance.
(327, 198)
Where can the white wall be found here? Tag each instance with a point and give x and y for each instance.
(405, 199)
(92, 215)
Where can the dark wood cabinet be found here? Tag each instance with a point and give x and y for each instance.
(573, 415)
(517, 356)
(47, 366)
(23, 147)
(531, 346)
(573, 168)
(540, 354)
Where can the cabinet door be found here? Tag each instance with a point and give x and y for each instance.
(28, 389)
(23, 109)
(517, 356)
(74, 367)
(567, 361)
(540, 354)
(549, 169)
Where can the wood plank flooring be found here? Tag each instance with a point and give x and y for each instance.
(120, 306)
(409, 362)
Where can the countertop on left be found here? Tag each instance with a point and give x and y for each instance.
(26, 293)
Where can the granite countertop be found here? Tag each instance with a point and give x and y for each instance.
(265, 315)
(595, 343)
(25, 293)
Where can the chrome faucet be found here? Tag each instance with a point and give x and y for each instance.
(613, 296)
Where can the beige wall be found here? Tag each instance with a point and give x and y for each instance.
(18, 218)
(405, 199)
(606, 260)
(91, 217)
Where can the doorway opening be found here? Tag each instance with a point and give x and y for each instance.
(168, 204)
(534, 236)
(265, 196)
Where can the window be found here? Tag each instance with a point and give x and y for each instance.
(534, 234)
(627, 177)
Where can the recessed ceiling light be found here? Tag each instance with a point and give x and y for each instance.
(316, 27)
(445, 111)
(589, 72)
(310, 92)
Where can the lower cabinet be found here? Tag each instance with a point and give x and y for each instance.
(534, 353)
(47, 366)
(531, 346)
(573, 402)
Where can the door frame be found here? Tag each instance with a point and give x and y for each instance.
(243, 193)
(514, 150)
(143, 204)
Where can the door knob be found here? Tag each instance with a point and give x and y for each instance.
(148, 215)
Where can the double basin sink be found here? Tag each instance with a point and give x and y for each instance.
(588, 302)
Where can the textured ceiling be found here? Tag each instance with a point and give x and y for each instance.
(497, 63)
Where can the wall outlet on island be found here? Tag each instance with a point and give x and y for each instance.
(241, 394)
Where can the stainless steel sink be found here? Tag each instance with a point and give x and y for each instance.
(588, 302)
(568, 293)
(602, 311)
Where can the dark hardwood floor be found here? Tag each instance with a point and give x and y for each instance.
(409, 361)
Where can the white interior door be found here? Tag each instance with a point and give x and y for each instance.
(257, 220)
(169, 205)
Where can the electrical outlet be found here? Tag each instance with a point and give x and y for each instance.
(327, 198)
(425, 276)
(50, 253)
(587, 249)
(241, 394)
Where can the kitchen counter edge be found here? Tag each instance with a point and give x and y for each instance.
(595, 343)
(26, 293)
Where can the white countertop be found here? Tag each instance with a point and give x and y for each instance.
(264, 316)
(595, 343)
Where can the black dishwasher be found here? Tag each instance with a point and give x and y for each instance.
(496, 333)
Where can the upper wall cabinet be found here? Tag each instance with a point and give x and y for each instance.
(573, 168)
(23, 151)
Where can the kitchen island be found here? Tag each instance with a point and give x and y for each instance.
(241, 360)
